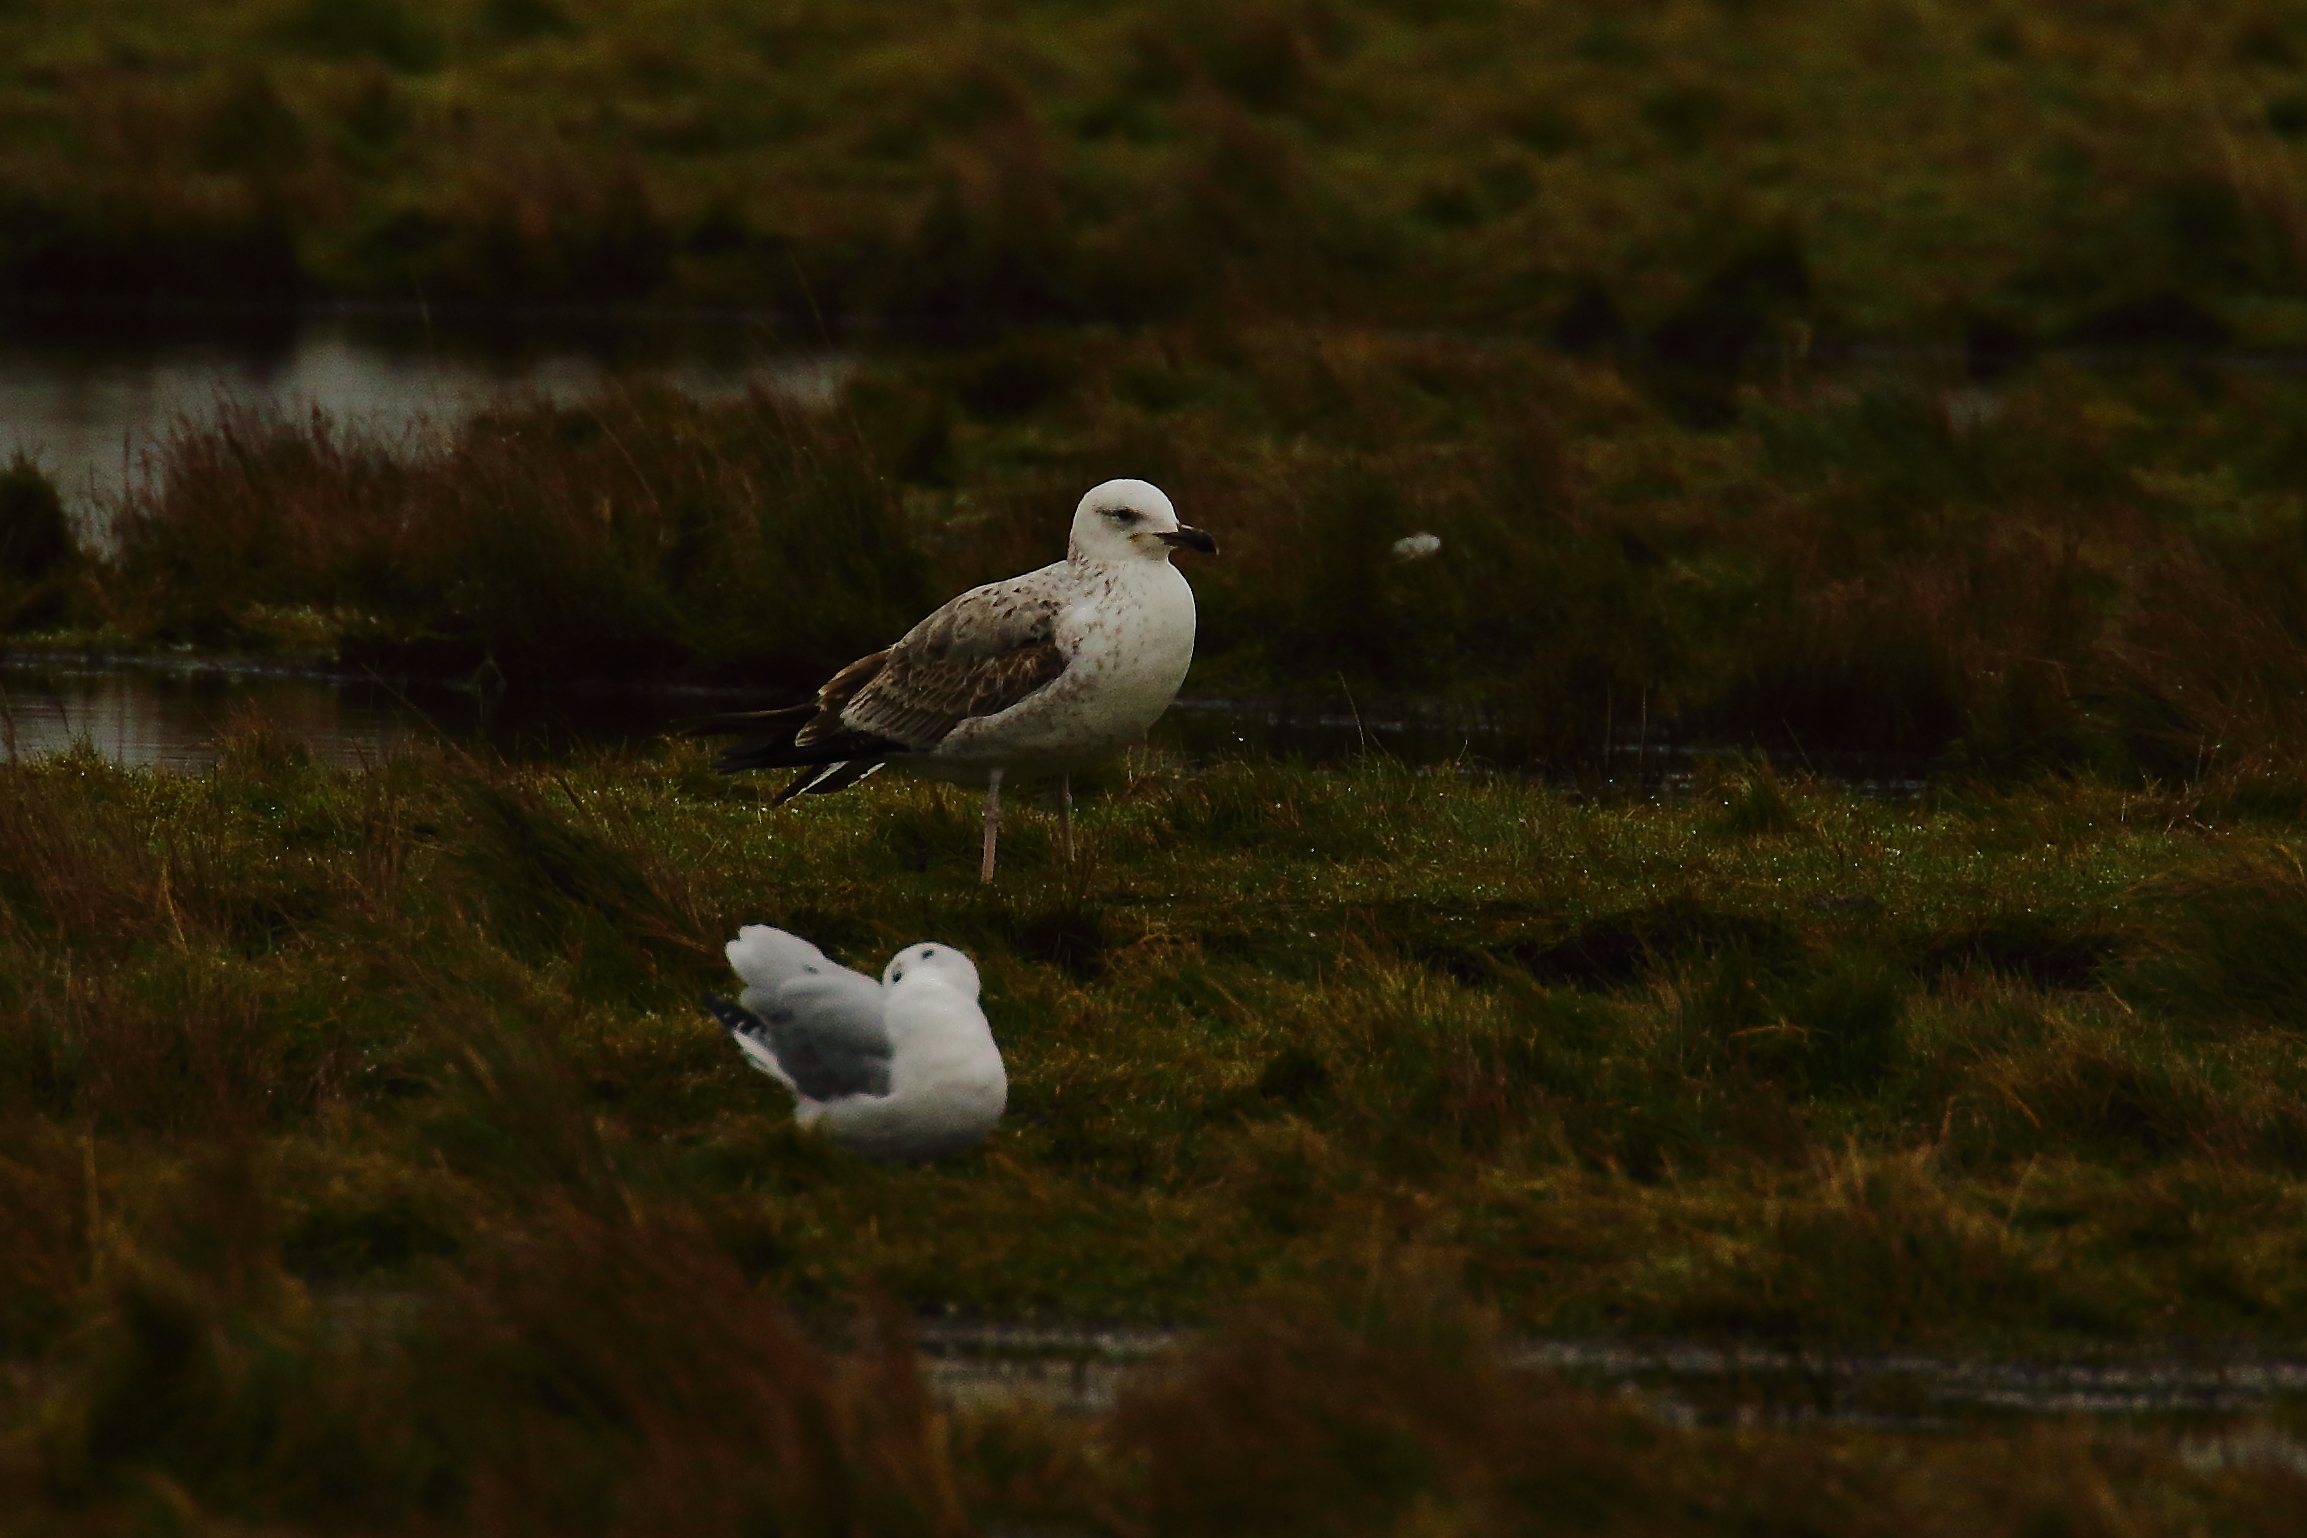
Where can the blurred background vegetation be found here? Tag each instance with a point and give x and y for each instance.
(1677, 170)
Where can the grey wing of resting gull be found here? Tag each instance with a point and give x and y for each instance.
(903, 1069)
(1036, 675)
(804, 1019)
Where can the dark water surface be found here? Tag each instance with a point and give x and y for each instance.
(2209, 1398)
(168, 716)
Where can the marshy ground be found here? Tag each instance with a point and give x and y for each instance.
(366, 1167)
(367, 1163)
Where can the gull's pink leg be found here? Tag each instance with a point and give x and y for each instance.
(992, 825)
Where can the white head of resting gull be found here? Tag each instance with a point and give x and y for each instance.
(900, 1069)
(1032, 676)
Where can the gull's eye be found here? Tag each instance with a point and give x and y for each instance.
(1123, 515)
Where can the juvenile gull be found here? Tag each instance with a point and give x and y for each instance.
(1032, 676)
(900, 1069)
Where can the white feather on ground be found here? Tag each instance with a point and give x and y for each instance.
(901, 1069)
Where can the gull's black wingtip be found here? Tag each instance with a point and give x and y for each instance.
(734, 1017)
(782, 752)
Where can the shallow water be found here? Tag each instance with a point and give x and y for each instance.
(1080, 1369)
(169, 716)
(89, 395)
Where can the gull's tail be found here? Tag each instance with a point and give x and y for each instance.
(824, 780)
(830, 764)
(734, 1017)
(812, 737)
(750, 1032)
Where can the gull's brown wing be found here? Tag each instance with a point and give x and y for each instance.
(834, 695)
(977, 656)
(980, 654)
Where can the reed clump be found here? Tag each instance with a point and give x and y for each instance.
(39, 554)
(628, 538)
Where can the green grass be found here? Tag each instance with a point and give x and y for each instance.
(1645, 1068)
(1701, 173)
(363, 1158)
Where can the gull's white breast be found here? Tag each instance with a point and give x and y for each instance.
(1128, 638)
(947, 1085)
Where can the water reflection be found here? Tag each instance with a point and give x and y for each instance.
(172, 720)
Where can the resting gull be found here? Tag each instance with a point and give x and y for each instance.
(900, 1069)
(1033, 676)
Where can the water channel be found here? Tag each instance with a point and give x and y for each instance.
(1078, 1369)
(169, 715)
(89, 395)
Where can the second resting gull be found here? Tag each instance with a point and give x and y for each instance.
(904, 1068)
(1029, 677)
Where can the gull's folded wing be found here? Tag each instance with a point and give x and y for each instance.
(980, 654)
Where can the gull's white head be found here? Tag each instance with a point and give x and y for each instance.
(930, 962)
(1130, 521)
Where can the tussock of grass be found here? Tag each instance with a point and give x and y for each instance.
(594, 541)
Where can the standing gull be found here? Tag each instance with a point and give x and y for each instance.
(1033, 676)
(900, 1069)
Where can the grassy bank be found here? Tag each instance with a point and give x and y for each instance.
(1691, 173)
(2071, 571)
(351, 1122)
